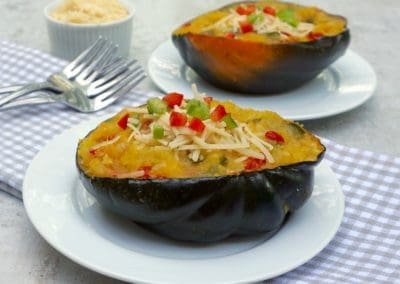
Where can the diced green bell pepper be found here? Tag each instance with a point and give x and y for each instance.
(198, 109)
(158, 131)
(288, 16)
(229, 121)
(157, 106)
(255, 18)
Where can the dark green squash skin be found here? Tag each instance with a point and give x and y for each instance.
(208, 209)
(288, 65)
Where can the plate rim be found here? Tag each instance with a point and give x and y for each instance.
(303, 117)
(108, 272)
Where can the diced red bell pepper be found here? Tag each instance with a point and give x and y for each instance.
(230, 35)
(246, 27)
(146, 170)
(197, 125)
(241, 10)
(218, 113)
(251, 8)
(92, 151)
(173, 99)
(123, 121)
(269, 11)
(274, 136)
(315, 36)
(177, 119)
(208, 100)
(245, 10)
(253, 163)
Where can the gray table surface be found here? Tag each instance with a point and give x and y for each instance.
(27, 258)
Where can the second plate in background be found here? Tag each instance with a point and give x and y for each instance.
(346, 84)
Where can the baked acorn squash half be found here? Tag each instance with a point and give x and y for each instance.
(261, 47)
(200, 170)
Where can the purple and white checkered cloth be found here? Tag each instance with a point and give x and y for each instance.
(366, 249)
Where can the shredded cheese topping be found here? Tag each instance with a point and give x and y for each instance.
(216, 135)
(142, 126)
(105, 143)
(265, 24)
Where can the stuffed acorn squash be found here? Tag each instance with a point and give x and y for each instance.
(198, 169)
(261, 47)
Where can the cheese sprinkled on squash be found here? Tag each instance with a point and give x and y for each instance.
(266, 21)
(174, 137)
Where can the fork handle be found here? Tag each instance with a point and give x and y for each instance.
(27, 89)
(39, 98)
(10, 89)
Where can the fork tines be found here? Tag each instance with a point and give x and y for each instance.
(120, 74)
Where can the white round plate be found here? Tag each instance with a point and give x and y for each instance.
(74, 224)
(346, 84)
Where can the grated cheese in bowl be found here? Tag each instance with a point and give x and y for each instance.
(74, 25)
(90, 11)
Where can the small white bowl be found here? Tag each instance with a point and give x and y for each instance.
(69, 40)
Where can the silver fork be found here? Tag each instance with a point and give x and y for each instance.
(88, 84)
(83, 69)
(77, 99)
